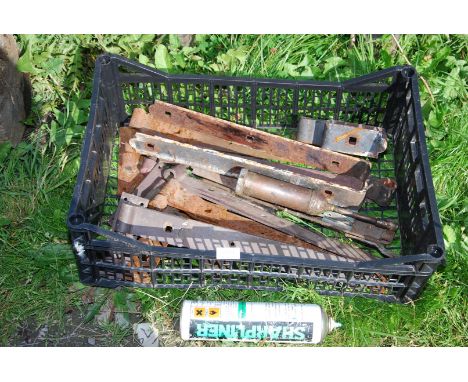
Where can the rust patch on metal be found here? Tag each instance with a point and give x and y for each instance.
(159, 202)
(132, 167)
(226, 164)
(356, 130)
(197, 208)
(143, 277)
(128, 175)
(193, 127)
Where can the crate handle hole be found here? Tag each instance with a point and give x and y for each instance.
(76, 219)
(408, 72)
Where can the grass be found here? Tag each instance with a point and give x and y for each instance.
(38, 280)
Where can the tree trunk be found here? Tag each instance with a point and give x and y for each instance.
(12, 89)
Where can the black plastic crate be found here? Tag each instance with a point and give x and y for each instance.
(388, 98)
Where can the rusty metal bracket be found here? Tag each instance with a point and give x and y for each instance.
(153, 181)
(381, 191)
(216, 194)
(363, 231)
(171, 151)
(378, 190)
(287, 195)
(182, 232)
(343, 137)
(197, 128)
(355, 229)
(134, 199)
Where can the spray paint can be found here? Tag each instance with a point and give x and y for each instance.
(254, 321)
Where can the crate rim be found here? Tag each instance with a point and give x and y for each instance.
(407, 70)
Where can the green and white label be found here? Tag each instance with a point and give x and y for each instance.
(250, 330)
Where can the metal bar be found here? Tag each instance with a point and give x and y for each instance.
(230, 165)
(343, 137)
(352, 228)
(191, 127)
(200, 209)
(295, 197)
(217, 194)
(378, 190)
(182, 232)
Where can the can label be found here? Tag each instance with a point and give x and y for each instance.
(251, 321)
(252, 330)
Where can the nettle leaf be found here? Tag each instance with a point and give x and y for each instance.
(194, 57)
(188, 50)
(162, 60)
(24, 63)
(453, 62)
(440, 56)
(307, 72)
(215, 67)
(239, 53)
(179, 59)
(232, 57)
(450, 235)
(113, 49)
(333, 63)
(143, 59)
(174, 41)
(56, 64)
(225, 59)
(291, 70)
(435, 118)
(147, 37)
(386, 58)
(454, 85)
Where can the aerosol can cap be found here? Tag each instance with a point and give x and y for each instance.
(332, 324)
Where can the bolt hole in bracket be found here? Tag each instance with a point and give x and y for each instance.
(343, 137)
(352, 141)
